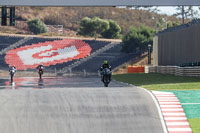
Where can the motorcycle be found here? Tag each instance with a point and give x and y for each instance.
(12, 72)
(106, 76)
(40, 73)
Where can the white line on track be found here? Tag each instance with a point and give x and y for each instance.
(172, 109)
(170, 106)
(160, 95)
(179, 129)
(176, 123)
(169, 102)
(159, 110)
(167, 99)
(181, 114)
(175, 118)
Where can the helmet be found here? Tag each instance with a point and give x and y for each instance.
(105, 62)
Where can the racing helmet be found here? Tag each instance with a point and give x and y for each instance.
(105, 62)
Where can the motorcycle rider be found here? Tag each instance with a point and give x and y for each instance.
(12, 68)
(40, 67)
(105, 65)
(40, 70)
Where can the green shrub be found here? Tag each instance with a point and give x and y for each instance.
(113, 31)
(92, 27)
(137, 38)
(37, 26)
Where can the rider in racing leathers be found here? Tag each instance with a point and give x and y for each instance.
(12, 68)
(105, 65)
(40, 67)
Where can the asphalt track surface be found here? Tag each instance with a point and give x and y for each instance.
(75, 105)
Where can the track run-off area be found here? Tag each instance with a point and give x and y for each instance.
(75, 105)
(190, 101)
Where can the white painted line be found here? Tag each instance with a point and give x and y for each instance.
(176, 123)
(165, 94)
(159, 110)
(170, 106)
(175, 118)
(179, 129)
(177, 114)
(169, 99)
(172, 109)
(173, 112)
(169, 102)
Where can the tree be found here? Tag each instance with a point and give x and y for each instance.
(186, 12)
(86, 28)
(137, 39)
(37, 26)
(113, 31)
(147, 32)
(99, 26)
(162, 23)
(191, 12)
(170, 24)
(92, 27)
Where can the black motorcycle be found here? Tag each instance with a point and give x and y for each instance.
(40, 72)
(106, 76)
(12, 72)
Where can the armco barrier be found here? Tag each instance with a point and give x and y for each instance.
(175, 70)
(135, 69)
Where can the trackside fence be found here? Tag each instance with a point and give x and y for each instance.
(175, 70)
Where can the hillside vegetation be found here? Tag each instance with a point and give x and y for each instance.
(70, 16)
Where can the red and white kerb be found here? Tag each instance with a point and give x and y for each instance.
(173, 113)
(47, 53)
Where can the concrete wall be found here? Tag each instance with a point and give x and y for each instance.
(178, 46)
(174, 70)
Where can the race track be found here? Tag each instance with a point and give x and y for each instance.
(75, 105)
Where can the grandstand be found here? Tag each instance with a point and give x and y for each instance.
(90, 55)
(8, 40)
(113, 55)
(5, 42)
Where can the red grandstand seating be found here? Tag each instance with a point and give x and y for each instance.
(47, 53)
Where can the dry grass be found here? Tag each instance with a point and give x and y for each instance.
(71, 16)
